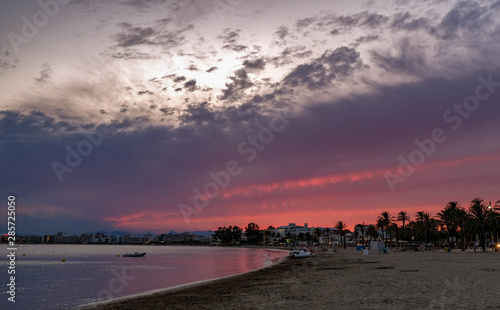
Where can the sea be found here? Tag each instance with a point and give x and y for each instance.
(95, 273)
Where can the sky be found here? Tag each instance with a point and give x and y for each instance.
(160, 115)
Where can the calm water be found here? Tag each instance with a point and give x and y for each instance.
(94, 272)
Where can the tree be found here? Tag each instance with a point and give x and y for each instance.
(372, 232)
(462, 220)
(270, 232)
(318, 231)
(341, 227)
(301, 236)
(448, 218)
(361, 227)
(393, 228)
(252, 233)
(308, 237)
(327, 236)
(482, 220)
(384, 221)
(228, 235)
(403, 217)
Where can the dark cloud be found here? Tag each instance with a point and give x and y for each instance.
(190, 85)
(199, 114)
(145, 92)
(466, 15)
(7, 60)
(322, 71)
(282, 32)
(365, 39)
(288, 55)
(167, 111)
(256, 64)
(212, 69)
(131, 36)
(404, 21)
(239, 82)
(133, 54)
(305, 22)
(334, 32)
(346, 21)
(409, 59)
(16, 124)
(193, 68)
(374, 20)
(230, 40)
(44, 74)
(178, 79)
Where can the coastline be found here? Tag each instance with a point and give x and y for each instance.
(345, 279)
(175, 288)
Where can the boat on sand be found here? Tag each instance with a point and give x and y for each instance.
(305, 252)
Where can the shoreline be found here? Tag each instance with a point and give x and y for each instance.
(345, 279)
(175, 288)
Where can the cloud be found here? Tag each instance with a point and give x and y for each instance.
(365, 39)
(211, 69)
(230, 40)
(255, 65)
(7, 61)
(322, 71)
(404, 21)
(469, 16)
(409, 59)
(190, 85)
(131, 36)
(356, 136)
(35, 124)
(239, 83)
(44, 74)
(158, 38)
(282, 32)
(304, 22)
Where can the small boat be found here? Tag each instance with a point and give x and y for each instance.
(135, 254)
(307, 252)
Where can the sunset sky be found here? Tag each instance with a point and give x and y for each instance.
(118, 114)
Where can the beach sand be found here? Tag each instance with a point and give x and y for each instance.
(348, 280)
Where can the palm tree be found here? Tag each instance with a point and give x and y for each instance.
(318, 232)
(341, 227)
(328, 236)
(448, 218)
(384, 221)
(394, 228)
(482, 220)
(403, 217)
(372, 232)
(462, 220)
(362, 228)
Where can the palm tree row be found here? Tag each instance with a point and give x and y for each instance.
(454, 224)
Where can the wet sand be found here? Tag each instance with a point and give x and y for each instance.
(347, 280)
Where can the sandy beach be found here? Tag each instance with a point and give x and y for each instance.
(348, 280)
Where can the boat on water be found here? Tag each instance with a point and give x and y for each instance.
(135, 254)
